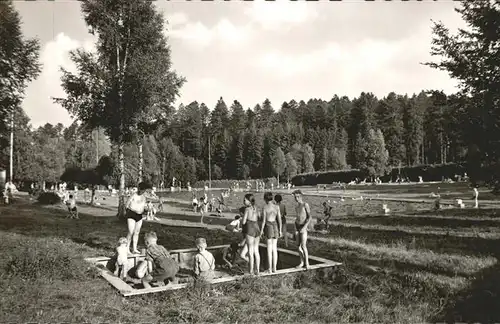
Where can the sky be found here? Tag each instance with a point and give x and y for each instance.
(250, 51)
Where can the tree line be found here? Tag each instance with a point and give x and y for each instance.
(300, 137)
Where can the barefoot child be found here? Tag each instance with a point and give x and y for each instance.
(235, 225)
(136, 206)
(71, 203)
(229, 257)
(253, 232)
(303, 213)
(244, 250)
(158, 265)
(121, 258)
(272, 229)
(204, 261)
(278, 199)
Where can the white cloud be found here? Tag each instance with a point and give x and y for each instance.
(281, 13)
(54, 55)
(199, 35)
(177, 18)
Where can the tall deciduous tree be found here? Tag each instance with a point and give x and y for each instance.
(129, 77)
(472, 57)
(376, 158)
(18, 63)
(278, 162)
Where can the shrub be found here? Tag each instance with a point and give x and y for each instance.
(49, 198)
(427, 172)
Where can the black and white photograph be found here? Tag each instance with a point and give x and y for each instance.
(286, 161)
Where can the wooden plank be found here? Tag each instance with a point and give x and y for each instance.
(127, 290)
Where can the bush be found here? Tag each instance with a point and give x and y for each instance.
(427, 172)
(49, 198)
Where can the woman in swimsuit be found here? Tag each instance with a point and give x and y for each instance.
(253, 232)
(136, 206)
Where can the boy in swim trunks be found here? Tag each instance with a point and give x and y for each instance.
(272, 230)
(303, 213)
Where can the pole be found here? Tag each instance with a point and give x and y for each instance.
(11, 165)
(97, 146)
(209, 164)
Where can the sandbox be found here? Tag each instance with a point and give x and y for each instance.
(287, 261)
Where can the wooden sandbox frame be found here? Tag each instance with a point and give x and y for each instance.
(185, 259)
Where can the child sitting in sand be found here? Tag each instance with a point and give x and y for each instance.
(204, 261)
(158, 265)
(229, 256)
(122, 257)
(235, 225)
(71, 203)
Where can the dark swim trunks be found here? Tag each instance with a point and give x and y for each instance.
(133, 215)
(299, 227)
(271, 230)
(252, 228)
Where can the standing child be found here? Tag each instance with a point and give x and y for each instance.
(278, 199)
(272, 229)
(158, 265)
(195, 203)
(136, 205)
(253, 232)
(204, 261)
(201, 207)
(475, 197)
(121, 258)
(72, 209)
(302, 221)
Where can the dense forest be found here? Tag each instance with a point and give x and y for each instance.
(261, 142)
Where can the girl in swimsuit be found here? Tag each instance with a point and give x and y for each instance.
(272, 228)
(136, 206)
(253, 232)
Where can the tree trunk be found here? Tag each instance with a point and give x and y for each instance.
(141, 162)
(121, 199)
(92, 197)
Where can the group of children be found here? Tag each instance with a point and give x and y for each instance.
(269, 222)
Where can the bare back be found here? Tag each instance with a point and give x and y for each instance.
(270, 213)
(251, 214)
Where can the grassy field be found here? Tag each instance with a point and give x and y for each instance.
(420, 267)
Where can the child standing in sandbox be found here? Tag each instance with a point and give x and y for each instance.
(158, 265)
(303, 213)
(204, 261)
(272, 230)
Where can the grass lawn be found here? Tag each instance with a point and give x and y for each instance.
(45, 279)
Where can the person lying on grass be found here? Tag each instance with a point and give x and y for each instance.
(158, 265)
(121, 263)
(204, 261)
(272, 230)
(303, 213)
